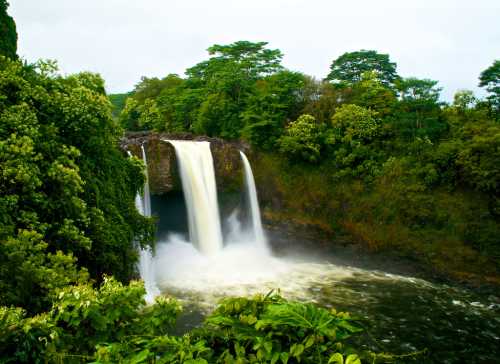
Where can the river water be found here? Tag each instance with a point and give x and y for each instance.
(401, 313)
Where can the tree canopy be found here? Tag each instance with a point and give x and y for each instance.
(350, 66)
(8, 33)
(490, 79)
(67, 192)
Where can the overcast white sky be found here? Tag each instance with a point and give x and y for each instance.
(451, 41)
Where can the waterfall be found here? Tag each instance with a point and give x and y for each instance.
(146, 197)
(146, 268)
(200, 192)
(260, 238)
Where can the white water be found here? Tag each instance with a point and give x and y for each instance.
(146, 198)
(258, 232)
(145, 266)
(200, 192)
(205, 268)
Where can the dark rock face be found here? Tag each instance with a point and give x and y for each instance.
(162, 162)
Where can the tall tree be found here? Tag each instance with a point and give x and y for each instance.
(8, 33)
(349, 67)
(490, 79)
(419, 108)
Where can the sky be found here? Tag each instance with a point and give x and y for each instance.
(451, 41)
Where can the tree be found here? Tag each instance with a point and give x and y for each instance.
(218, 116)
(324, 98)
(419, 110)
(303, 139)
(150, 88)
(118, 102)
(464, 100)
(355, 130)
(490, 79)
(272, 102)
(254, 58)
(355, 123)
(8, 33)
(349, 67)
(66, 191)
(371, 93)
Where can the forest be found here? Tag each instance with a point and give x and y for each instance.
(402, 170)
(406, 170)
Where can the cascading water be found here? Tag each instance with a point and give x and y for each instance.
(200, 192)
(258, 232)
(146, 268)
(242, 267)
(146, 198)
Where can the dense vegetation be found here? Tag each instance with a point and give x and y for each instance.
(8, 34)
(67, 192)
(379, 149)
(69, 233)
(378, 156)
(112, 325)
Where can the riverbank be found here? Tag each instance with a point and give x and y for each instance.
(431, 229)
(299, 238)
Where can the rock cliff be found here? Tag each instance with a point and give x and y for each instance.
(162, 164)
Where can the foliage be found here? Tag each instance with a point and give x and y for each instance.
(8, 33)
(303, 139)
(353, 123)
(252, 330)
(112, 325)
(371, 93)
(349, 67)
(490, 79)
(274, 100)
(464, 100)
(67, 192)
(81, 318)
(118, 102)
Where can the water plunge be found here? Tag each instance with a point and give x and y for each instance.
(204, 260)
(145, 266)
(200, 192)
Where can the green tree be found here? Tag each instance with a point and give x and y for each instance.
(8, 33)
(218, 116)
(303, 139)
(323, 99)
(273, 101)
(67, 192)
(355, 123)
(150, 88)
(349, 67)
(254, 58)
(464, 100)
(419, 110)
(371, 93)
(490, 79)
(118, 102)
(354, 131)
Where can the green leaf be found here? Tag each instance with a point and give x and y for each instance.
(275, 358)
(140, 357)
(336, 358)
(353, 359)
(310, 341)
(284, 358)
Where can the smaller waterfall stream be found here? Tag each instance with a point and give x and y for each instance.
(146, 268)
(258, 232)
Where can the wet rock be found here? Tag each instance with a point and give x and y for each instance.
(162, 165)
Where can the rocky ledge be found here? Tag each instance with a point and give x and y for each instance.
(162, 163)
